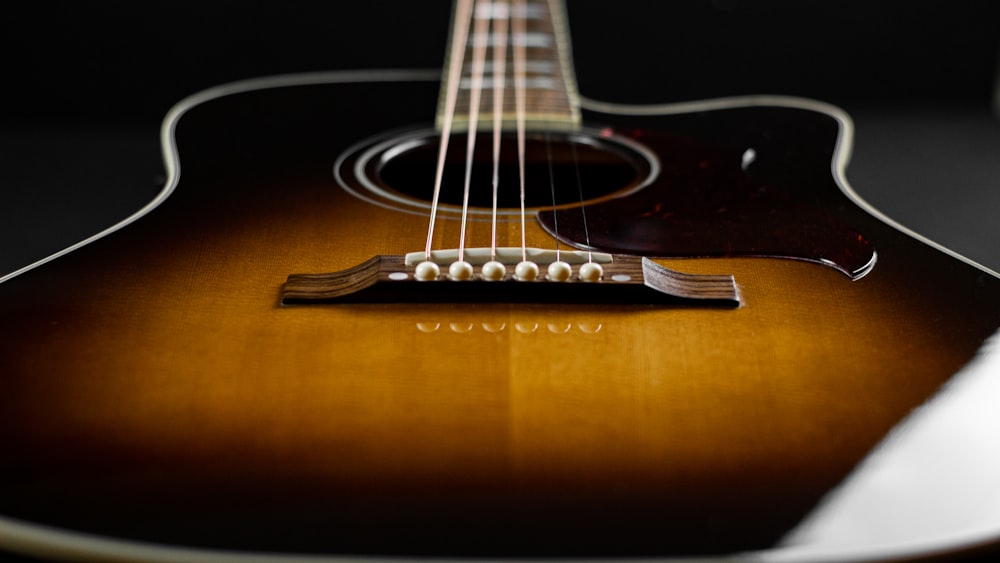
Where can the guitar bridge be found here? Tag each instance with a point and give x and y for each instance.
(621, 279)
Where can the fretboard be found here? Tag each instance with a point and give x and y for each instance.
(538, 27)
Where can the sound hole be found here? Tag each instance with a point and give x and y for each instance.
(561, 170)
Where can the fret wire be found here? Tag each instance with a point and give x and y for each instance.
(530, 83)
(533, 39)
(533, 66)
(500, 10)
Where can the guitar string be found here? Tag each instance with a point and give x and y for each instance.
(499, 90)
(519, 37)
(480, 41)
(463, 13)
(464, 19)
(583, 205)
(552, 189)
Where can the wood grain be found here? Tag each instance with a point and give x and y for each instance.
(154, 388)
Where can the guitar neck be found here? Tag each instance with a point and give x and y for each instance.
(509, 55)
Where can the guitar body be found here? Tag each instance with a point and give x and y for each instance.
(154, 389)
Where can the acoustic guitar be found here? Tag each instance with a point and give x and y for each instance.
(472, 313)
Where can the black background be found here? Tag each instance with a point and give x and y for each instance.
(88, 83)
(132, 60)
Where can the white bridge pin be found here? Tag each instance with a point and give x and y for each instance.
(559, 271)
(591, 272)
(494, 271)
(426, 271)
(526, 271)
(460, 271)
